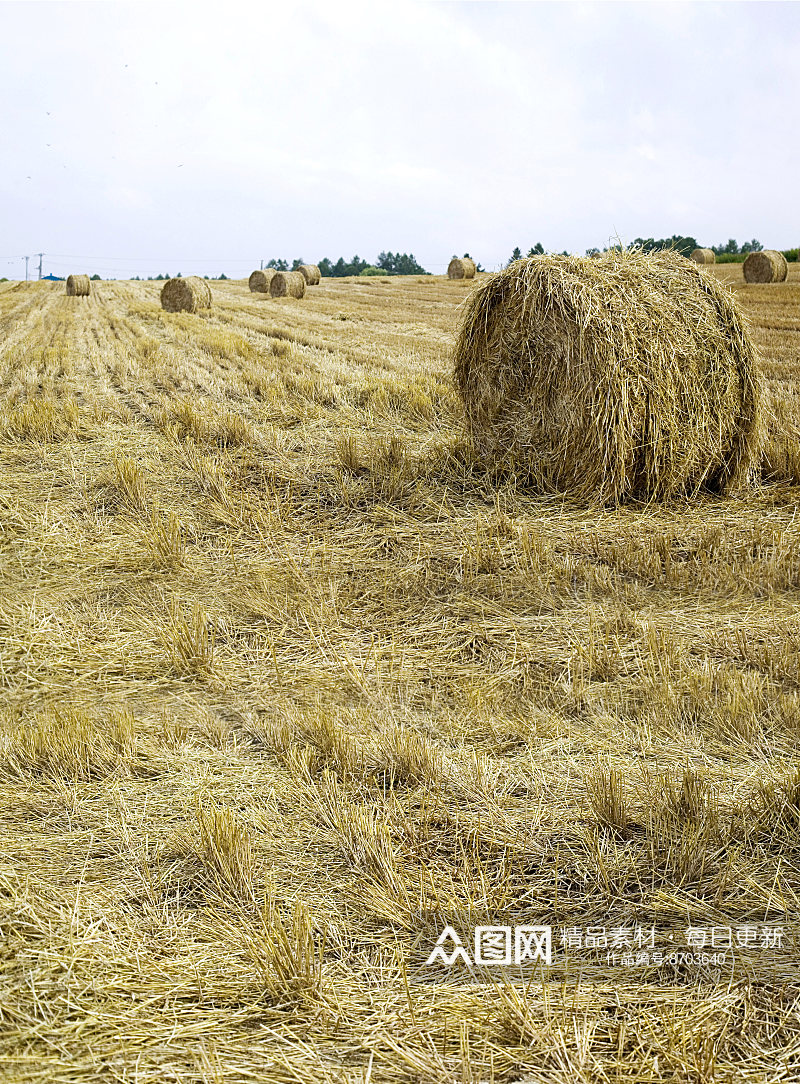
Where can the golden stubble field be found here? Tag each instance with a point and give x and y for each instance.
(289, 683)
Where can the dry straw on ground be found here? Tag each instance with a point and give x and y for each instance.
(310, 273)
(287, 284)
(765, 266)
(704, 255)
(259, 281)
(611, 378)
(78, 286)
(289, 682)
(461, 269)
(185, 295)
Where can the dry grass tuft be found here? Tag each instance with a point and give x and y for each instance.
(605, 379)
(189, 641)
(67, 743)
(41, 420)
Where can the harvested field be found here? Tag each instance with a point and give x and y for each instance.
(290, 682)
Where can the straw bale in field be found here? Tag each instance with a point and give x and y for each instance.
(185, 295)
(310, 273)
(78, 286)
(259, 281)
(704, 255)
(287, 284)
(461, 269)
(765, 266)
(631, 375)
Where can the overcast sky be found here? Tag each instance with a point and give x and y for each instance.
(161, 137)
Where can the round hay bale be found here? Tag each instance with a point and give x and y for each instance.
(765, 266)
(606, 379)
(287, 284)
(310, 273)
(185, 295)
(461, 269)
(259, 281)
(78, 286)
(704, 255)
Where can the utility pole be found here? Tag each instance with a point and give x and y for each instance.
(40, 254)
(26, 267)
(262, 265)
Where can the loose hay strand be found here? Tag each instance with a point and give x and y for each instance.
(632, 375)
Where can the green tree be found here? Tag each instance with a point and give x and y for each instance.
(537, 250)
(685, 246)
(515, 255)
(399, 263)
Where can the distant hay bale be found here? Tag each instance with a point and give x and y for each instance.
(287, 284)
(461, 269)
(704, 255)
(765, 266)
(78, 286)
(259, 281)
(310, 273)
(185, 295)
(606, 379)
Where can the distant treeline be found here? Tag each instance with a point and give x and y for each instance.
(389, 263)
(163, 278)
(730, 252)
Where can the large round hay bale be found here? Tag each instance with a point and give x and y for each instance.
(259, 281)
(461, 269)
(287, 284)
(185, 295)
(78, 286)
(310, 273)
(605, 379)
(765, 266)
(704, 255)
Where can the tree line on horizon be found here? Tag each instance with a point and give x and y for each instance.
(387, 263)
(683, 245)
